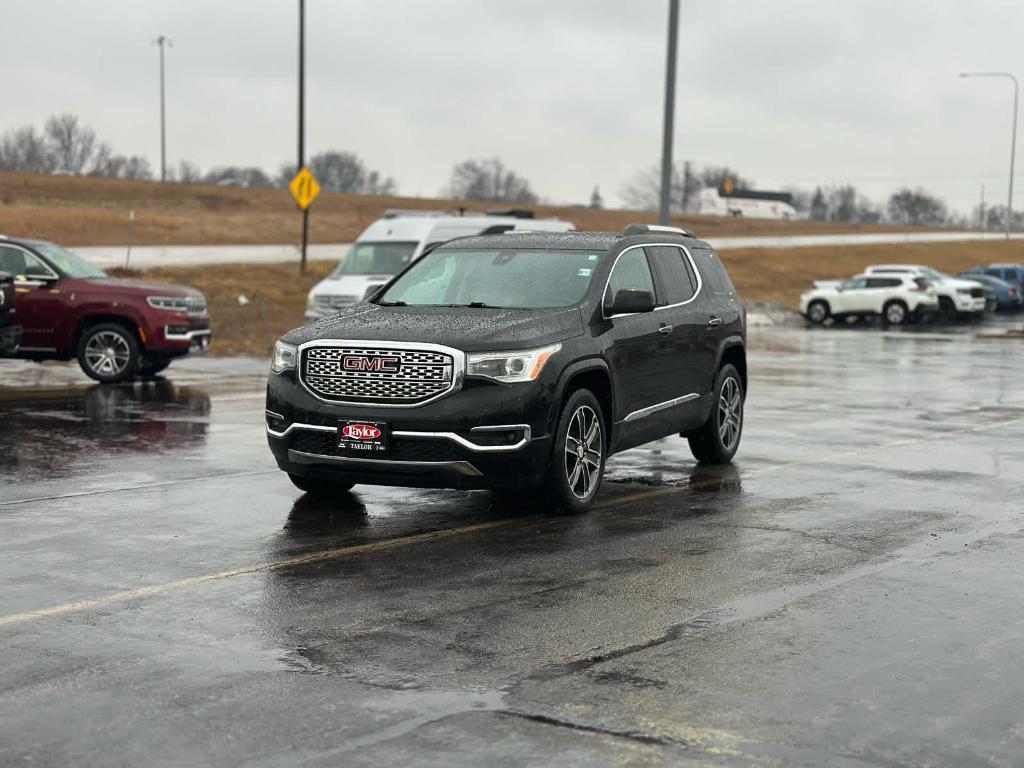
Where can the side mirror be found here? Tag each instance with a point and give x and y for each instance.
(630, 302)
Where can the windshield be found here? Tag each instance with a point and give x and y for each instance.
(71, 264)
(388, 258)
(510, 278)
(933, 274)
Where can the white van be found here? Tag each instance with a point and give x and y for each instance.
(388, 245)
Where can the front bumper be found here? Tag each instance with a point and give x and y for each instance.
(10, 339)
(485, 435)
(969, 304)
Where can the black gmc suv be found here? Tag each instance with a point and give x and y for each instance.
(519, 360)
(10, 333)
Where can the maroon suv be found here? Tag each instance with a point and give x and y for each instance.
(117, 329)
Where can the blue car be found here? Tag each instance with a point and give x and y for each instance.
(1008, 297)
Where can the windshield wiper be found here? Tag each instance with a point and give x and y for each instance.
(392, 304)
(477, 305)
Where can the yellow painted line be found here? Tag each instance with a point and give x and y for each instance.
(316, 557)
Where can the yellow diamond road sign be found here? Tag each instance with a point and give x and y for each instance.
(304, 188)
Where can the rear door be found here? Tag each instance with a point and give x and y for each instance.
(683, 321)
(719, 309)
(879, 290)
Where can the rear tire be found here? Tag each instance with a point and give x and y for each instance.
(577, 461)
(108, 353)
(717, 441)
(320, 487)
(818, 311)
(895, 312)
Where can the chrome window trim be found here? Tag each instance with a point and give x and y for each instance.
(652, 409)
(463, 468)
(689, 256)
(458, 368)
(450, 436)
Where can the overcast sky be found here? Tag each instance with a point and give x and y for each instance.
(567, 92)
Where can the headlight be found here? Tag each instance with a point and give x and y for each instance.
(284, 357)
(510, 367)
(193, 305)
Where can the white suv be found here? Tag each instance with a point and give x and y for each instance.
(897, 298)
(956, 296)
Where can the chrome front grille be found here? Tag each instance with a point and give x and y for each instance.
(378, 375)
(195, 305)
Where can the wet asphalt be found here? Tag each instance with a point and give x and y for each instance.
(848, 593)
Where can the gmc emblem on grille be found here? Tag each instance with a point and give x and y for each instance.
(371, 364)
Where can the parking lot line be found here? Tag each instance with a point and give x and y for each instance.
(343, 552)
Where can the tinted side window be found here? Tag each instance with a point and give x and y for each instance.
(883, 282)
(631, 273)
(716, 279)
(12, 260)
(677, 280)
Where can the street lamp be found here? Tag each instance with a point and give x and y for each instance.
(1013, 138)
(664, 213)
(162, 41)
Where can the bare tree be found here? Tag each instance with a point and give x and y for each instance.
(74, 146)
(124, 167)
(23, 149)
(489, 180)
(643, 191)
(187, 172)
(915, 207)
(596, 200)
(717, 175)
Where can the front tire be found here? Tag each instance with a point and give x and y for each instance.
(895, 312)
(320, 487)
(108, 353)
(716, 442)
(818, 311)
(577, 464)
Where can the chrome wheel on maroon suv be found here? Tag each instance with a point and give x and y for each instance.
(108, 353)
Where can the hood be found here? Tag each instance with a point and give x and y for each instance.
(139, 288)
(470, 330)
(958, 282)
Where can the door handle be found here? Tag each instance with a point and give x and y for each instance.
(714, 322)
(665, 329)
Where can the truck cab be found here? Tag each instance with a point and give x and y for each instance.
(393, 242)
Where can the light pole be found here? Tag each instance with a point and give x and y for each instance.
(670, 108)
(1013, 138)
(163, 41)
(302, 123)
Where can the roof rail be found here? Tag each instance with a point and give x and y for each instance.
(392, 213)
(515, 213)
(644, 229)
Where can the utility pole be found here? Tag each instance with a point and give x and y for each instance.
(1013, 139)
(163, 41)
(664, 214)
(981, 218)
(302, 122)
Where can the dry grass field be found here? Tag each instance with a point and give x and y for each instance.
(82, 211)
(277, 293)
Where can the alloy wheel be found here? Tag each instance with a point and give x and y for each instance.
(583, 452)
(107, 353)
(730, 413)
(895, 314)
